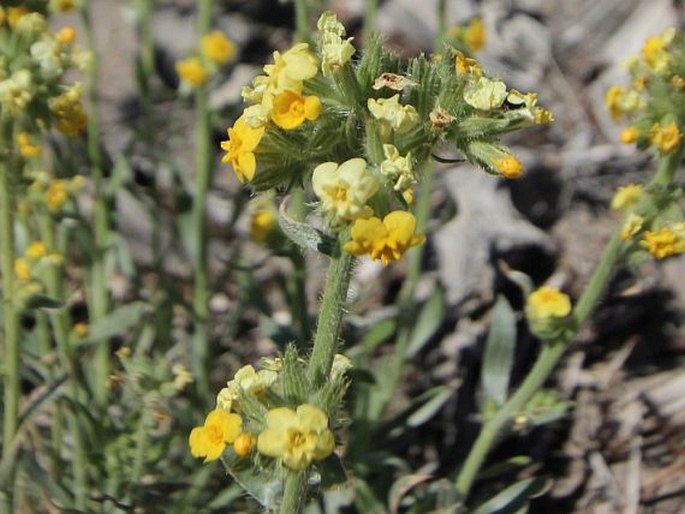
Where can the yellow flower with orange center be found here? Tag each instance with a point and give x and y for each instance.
(290, 109)
(220, 429)
(384, 240)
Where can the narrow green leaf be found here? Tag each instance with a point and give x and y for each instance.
(373, 337)
(427, 324)
(513, 497)
(499, 352)
(304, 235)
(439, 397)
(116, 322)
(39, 301)
(506, 466)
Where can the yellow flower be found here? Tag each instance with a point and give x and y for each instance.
(509, 166)
(56, 195)
(472, 35)
(485, 94)
(240, 146)
(335, 49)
(384, 240)
(182, 377)
(665, 242)
(263, 222)
(16, 91)
(191, 71)
(619, 101)
(397, 168)
(220, 428)
(36, 250)
(243, 444)
(61, 5)
(547, 302)
(26, 148)
(22, 269)
(401, 118)
(246, 381)
(67, 107)
(631, 227)
(66, 35)
(217, 48)
(291, 68)
(81, 329)
(654, 51)
(345, 189)
(629, 135)
(626, 197)
(296, 437)
(291, 109)
(14, 14)
(466, 65)
(665, 138)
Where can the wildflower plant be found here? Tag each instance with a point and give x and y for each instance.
(353, 130)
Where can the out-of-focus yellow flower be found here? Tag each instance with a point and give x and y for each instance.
(655, 51)
(401, 118)
(626, 197)
(619, 101)
(385, 240)
(666, 241)
(246, 381)
(678, 82)
(240, 146)
(16, 91)
(665, 138)
(509, 166)
(36, 250)
(547, 302)
(22, 269)
(631, 227)
(192, 72)
(263, 222)
(296, 437)
(473, 35)
(220, 429)
(56, 195)
(290, 109)
(182, 377)
(26, 148)
(243, 444)
(218, 48)
(81, 329)
(629, 135)
(61, 5)
(14, 14)
(345, 189)
(67, 108)
(66, 35)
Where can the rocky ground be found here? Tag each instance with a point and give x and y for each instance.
(623, 447)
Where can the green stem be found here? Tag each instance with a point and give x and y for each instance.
(11, 318)
(293, 493)
(369, 20)
(303, 30)
(61, 327)
(442, 25)
(330, 319)
(553, 351)
(99, 296)
(203, 163)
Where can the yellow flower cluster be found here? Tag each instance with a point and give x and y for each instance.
(53, 193)
(253, 412)
(215, 50)
(361, 130)
(653, 101)
(665, 242)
